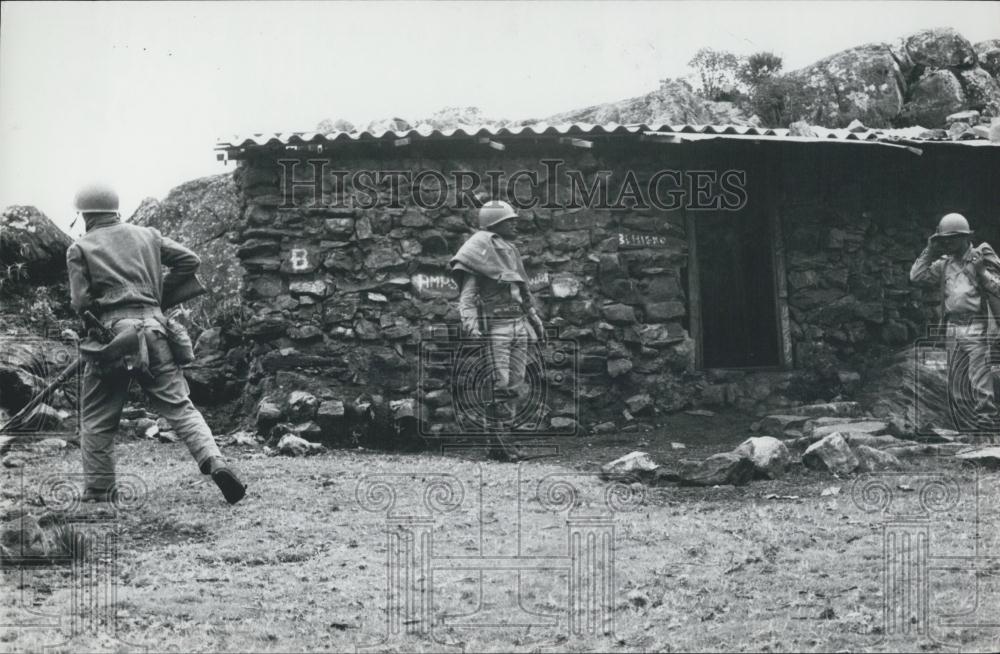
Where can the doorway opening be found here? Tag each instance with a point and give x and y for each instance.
(737, 294)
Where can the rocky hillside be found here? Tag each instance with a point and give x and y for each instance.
(200, 214)
(919, 79)
(674, 102)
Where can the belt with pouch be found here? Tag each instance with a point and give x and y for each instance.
(131, 312)
(128, 351)
(507, 310)
(181, 346)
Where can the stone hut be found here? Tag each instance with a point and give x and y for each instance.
(678, 266)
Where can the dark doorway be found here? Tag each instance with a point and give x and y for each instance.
(739, 321)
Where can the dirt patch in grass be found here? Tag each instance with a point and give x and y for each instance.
(306, 562)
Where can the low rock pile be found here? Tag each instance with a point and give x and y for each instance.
(834, 437)
(297, 423)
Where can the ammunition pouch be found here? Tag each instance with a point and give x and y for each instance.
(127, 353)
(179, 340)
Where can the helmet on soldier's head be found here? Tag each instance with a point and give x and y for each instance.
(953, 224)
(494, 212)
(96, 198)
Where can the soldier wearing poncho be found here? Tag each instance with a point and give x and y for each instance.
(969, 282)
(495, 301)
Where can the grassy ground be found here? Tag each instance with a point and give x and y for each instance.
(301, 564)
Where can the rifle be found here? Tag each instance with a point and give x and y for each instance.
(100, 333)
(175, 294)
(97, 331)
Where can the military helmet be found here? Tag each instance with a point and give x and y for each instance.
(953, 224)
(494, 212)
(96, 198)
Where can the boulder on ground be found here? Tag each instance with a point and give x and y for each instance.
(769, 456)
(855, 439)
(49, 445)
(722, 469)
(778, 424)
(830, 409)
(926, 449)
(634, 465)
(831, 454)
(872, 427)
(292, 445)
(639, 404)
(22, 538)
(873, 460)
(243, 438)
(268, 413)
(988, 457)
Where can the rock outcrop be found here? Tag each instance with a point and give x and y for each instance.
(988, 54)
(863, 83)
(200, 214)
(34, 293)
(32, 248)
(918, 80)
(674, 102)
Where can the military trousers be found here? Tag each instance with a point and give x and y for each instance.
(103, 400)
(970, 375)
(509, 339)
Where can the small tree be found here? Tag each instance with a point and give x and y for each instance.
(717, 71)
(759, 67)
(776, 100)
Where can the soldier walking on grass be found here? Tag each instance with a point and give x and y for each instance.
(115, 272)
(969, 281)
(495, 304)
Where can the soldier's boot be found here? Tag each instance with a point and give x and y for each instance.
(225, 478)
(495, 424)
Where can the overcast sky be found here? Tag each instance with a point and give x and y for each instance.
(138, 94)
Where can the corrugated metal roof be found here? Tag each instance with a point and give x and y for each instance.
(426, 132)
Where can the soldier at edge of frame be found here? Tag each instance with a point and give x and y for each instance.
(969, 281)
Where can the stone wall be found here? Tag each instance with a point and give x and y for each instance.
(342, 301)
(852, 229)
(353, 295)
